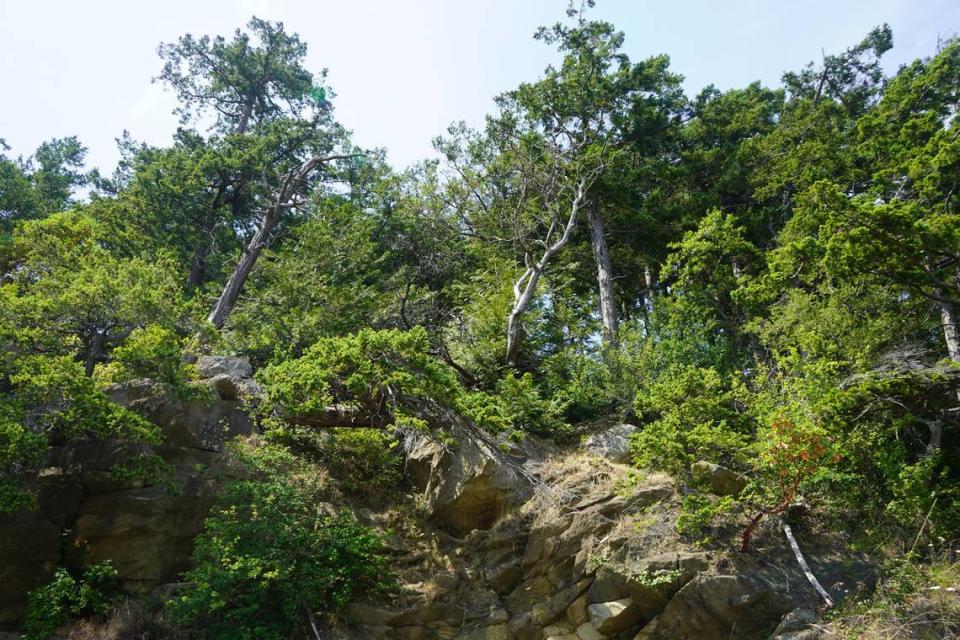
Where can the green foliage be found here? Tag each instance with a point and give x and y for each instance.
(371, 370)
(66, 597)
(267, 555)
(582, 384)
(700, 513)
(327, 280)
(370, 456)
(692, 416)
(71, 295)
(152, 352)
(47, 398)
(516, 405)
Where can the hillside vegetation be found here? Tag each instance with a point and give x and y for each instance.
(764, 278)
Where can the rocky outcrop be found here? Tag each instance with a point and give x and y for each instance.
(147, 532)
(612, 444)
(591, 555)
(508, 541)
(717, 479)
(466, 481)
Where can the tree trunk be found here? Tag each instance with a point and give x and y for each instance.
(601, 254)
(951, 328)
(650, 280)
(198, 265)
(231, 291)
(526, 285)
(951, 336)
(284, 200)
(521, 302)
(245, 114)
(94, 349)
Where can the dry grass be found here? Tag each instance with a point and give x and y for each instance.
(134, 619)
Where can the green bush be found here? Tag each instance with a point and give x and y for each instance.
(693, 419)
(515, 407)
(699, 514)
(152, 352)
(581, 383)
(369, 456)
(44, 398)
(527, 410)
(66, 597)
(267, 555)
(373, 370)
(386, 372)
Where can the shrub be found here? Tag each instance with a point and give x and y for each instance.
(65, 597)
(693, 420)
(372, 370)
(268, 554)
(153, 352)
(699, 514)
(46, 398)
(391, 374)
(369, 456)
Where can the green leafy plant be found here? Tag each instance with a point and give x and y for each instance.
(370, 458)
(693, 419)
(793, 454)
(48, 398)
(153, 352)
(269, 556)
(699, 513)
(66, 597)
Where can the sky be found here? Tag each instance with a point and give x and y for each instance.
(402, 70)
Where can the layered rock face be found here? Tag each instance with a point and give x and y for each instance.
(577, 547)
(147, 532)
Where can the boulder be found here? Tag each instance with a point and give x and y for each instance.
(797, 625)
(718, 479)
(613, 443)
(229, 387)
(210, 366)
(718, 607)
(587, 631)
(194, 423)
(467, 486)
(146, 533)
(613, 617)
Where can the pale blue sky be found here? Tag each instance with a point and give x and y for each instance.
(402, 70)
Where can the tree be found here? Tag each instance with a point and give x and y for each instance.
(265, 94)
(240, 83)
(42, 183)
(78, 298)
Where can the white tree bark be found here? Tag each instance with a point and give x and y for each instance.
(951, 328)
(601, 254)
(525, 288)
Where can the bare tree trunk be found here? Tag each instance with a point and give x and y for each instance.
(951, 328)
(94, 349)
(245, 114)
(650, 280)
(285, 199)
(198, 265)
(951, 336)
(601, 254)
(526, 285)
(522, 299)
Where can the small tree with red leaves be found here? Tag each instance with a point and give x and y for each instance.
(793, 455)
